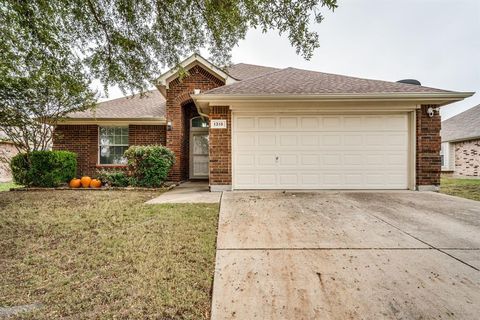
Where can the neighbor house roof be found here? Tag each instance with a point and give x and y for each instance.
(151, 106)
(463, 126)
(304, 82)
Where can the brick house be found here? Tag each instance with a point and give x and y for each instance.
(254, 127)
(461, 144)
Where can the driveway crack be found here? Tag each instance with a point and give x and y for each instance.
(424, 242)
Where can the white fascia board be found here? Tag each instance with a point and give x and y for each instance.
(204, 101)
(427, 97)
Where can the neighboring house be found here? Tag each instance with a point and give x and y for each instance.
(7, 151)
(461, 143)
(253, 127)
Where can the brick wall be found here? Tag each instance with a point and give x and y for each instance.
(428, 147)
(142, 135)
(81, 139)
(467, 158)
(220, 148)
(178, 98)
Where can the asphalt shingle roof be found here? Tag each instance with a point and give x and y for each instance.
(243, 71)
(150, 106)
(298, 81)
(462, 126)
(254, 80)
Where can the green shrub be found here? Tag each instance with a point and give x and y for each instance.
(44, 168)
(113, 178)
(20, 165)
(149, 165)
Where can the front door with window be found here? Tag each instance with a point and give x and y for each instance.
(199, 159)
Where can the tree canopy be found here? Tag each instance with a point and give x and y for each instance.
(127, 42)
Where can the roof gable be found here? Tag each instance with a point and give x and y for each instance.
(463, 126)
(192, 61)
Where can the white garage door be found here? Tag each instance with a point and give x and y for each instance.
(320, 152)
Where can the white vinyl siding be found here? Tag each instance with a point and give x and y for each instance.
(280, 151)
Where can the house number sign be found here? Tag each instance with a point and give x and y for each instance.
(218, 124)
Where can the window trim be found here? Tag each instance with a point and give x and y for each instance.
(112, 165)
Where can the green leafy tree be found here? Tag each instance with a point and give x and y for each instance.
(41, 77)
(127, 42)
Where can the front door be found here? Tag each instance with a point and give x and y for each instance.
(199, 154)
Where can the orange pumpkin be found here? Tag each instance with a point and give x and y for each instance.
(74, 183)
(85, 181)
(95, 183)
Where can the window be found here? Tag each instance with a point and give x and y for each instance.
(444, 154)
(112, 143)
(199, 122)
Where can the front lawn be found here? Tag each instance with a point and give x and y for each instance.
(104, 254)
(465, 188)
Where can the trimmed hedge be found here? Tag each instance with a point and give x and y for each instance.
(149, 165)
(113, 178)
(44, 168)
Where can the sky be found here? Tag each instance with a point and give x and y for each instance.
(434, 41)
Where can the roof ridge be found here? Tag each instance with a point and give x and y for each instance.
(369, 79)
(126, 97)
(248, 79)
(255, 65)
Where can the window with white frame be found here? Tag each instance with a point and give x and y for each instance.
(112, 143)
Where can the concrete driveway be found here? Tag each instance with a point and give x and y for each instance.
(347, 255)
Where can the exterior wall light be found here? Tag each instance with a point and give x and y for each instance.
(169, 125)
(196, 91)
(431, 111)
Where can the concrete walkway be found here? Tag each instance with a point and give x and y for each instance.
(188, 192)
(347, 255)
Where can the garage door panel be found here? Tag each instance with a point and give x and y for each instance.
(331, 140)
(396, 123)
(267, 179)
(331, 122)
(245, 123)
(288, 123)
(267, 123)
(245, 139)
(321, 152)
(288, 140)
(353, 123)
(309, 139)
(310, 179)
(351, 140)
(309, 160)
(266, 140)
(309, 123)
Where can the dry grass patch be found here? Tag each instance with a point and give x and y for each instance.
(465, 188)
(106, 255)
